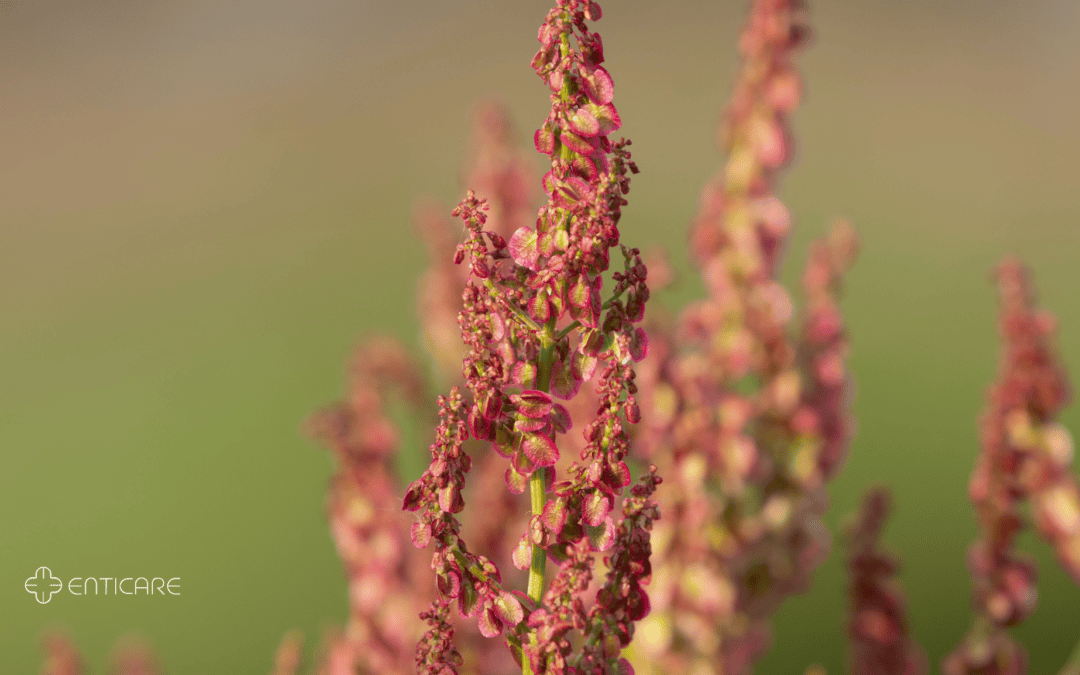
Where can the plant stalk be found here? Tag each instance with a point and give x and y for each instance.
(538, 483)
(548, 338)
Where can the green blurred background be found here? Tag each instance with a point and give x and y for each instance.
(204, 204)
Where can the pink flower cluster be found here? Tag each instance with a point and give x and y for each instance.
(747, 423)
(1025, 458)
(536, 326)
(385, 576)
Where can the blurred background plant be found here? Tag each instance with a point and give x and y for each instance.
(177, 285)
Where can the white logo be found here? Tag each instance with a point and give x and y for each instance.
(43, 584)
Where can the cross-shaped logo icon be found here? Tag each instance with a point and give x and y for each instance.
(43, 584)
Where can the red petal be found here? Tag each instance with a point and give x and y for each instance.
(555, 80)
(469, 598)
(584, 167)
(540, 309)
(509, 609)
(580, 294)
(544, 139)
(597, 506)
(607, 116)
(769, 141)
(546, 242)
(545, 35)
(638, 603)
(598, 86)
(448, 583)
(527, 425)
(490, 624)
(576, 143)
(450, 499)
(421, 534)
(521, 463)
(523, 248)
(504, 442)
(593, 50)
(522, 555)
(479, 426)
(587, 365)
(413, 496)
(584, 123)
(497, 326)
(523, 373)
(515, 482)
(560, 418)
(540, 449)
(555, 515)
(533, 403)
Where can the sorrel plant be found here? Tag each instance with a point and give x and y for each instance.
(734, 420)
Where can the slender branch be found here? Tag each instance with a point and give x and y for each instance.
(577, 324)
(519, 313)
(566, 331)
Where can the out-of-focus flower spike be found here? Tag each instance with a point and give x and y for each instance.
(879, 640)
(385, 572)
(290, 654)
(823, 418)
(1025, 456)
(62, 657)
(747, 422)
(134, 656)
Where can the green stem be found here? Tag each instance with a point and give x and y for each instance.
(539, 555)
(474, 570)
(566, 331)
(537, 482)
(537, 486)
(577, 324)
(519, 313)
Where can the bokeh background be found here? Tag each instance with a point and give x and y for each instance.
(204, 204)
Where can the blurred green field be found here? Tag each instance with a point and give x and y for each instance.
(203, 207)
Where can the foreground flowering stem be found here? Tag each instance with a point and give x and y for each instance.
(289, 656)
(536, 327)
(1025, 457)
